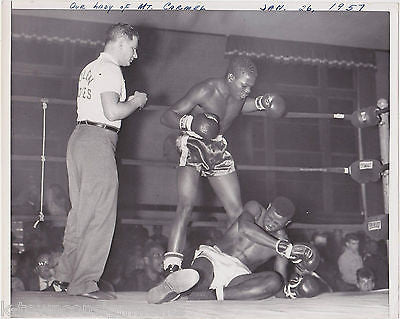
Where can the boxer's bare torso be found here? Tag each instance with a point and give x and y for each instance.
(214, 96)
(248, 252)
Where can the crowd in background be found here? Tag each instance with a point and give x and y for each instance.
(349, 261)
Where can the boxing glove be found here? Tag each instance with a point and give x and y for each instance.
(204, 125)
(365, 117)
(299, 286)
(303, 256)
(310, 262)
(273, 105)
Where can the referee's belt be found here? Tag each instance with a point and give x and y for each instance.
(102, 125)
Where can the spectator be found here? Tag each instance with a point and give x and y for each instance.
(158, 236)
(349, 262)
(377, 263)
(25, 269)
(365, 279)
(36, 240)
(152, 274)
(137, 235)
(16, 282)
(134, 261)
(326, 269)
(320, 241)
(43, 272)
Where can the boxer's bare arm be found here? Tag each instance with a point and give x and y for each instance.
(280, 266)
(194, 97)
(249, 105)
(281, 262)
(248, 228)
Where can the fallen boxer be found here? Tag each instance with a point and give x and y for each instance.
(224, 271)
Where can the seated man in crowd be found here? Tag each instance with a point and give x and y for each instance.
(224, 271)
(153, 272)
(44, 272)
(375, 259)
(327, 269)
(365, 279)
(349, 262)
(158, 236)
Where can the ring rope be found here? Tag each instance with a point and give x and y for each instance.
(243, 167)
(293, 115)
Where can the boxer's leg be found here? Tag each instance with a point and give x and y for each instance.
(206, 272)
(201, 290)
(254, 286)
(187, 180)
(195, 280)
(227, 189)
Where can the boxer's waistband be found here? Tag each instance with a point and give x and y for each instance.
(102, 125)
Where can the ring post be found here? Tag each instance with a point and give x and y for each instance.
(384, 146)
(42, 159)
(384, 131)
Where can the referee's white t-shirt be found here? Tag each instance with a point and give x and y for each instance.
(101, 75)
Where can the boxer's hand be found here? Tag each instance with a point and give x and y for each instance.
(139, 99)
(299, 254)
(272, 104)
(204, 125)
(310, 261)
(300, 286)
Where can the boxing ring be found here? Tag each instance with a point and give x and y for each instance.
(337, 305)
(352, 305)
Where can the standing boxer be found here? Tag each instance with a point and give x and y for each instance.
(224, 271)
(92, 169)
(203, 115)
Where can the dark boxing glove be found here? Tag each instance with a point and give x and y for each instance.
(302, 286)
(309, 263)
(273, 105)
(204, 125)
(303, 256)
(365, 117)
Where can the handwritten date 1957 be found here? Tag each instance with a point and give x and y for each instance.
(307, 7)
(346, 7)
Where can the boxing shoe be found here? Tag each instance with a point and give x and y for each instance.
(170, 269)
(172, 286)
(172, 262)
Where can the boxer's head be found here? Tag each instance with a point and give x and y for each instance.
(278, 214)
(241, 76)
(121, 42)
